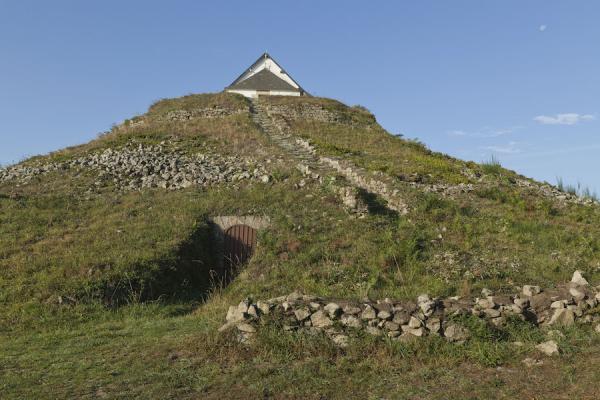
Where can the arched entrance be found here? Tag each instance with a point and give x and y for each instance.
(238, 246)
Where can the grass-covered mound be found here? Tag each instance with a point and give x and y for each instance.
(60, 241)
(139, 311)
(499, 230)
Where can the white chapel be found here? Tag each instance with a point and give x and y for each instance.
(265, 78)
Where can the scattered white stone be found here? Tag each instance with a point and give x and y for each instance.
(522, 303)
(276, 300)
(385, 315)
(369, 313)
(514, 309)
(391, 326)
(294, 296)
(352, 310)
(253, 311)
(491, 312)
(577, 294)
(579, 279)
(340, 340)
(422, 298)
(235, 314)
(320, 320)
(264, 308)
(302, 314)
(137, 166)
(372, 330)
(333, 309)
(529, 290)
(549, 348)
(532, 362)
(246, 328)
(562, 317)
(434, 325)
(456, 333)
(350, 321)
(227, 326)
(414, 323)
(407, 337)
(427, 307)
(486, 303)
(401, 318)
(559, 304)
(414, 331)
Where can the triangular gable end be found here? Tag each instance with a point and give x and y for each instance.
(266, 72)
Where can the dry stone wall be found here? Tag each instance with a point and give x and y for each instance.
(213, 112)
(565, 305)
(181, 115)
(310, 112)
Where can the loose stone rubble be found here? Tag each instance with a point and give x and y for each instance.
(549, 348)
(554, 193)
(565, 305)
(135, 167)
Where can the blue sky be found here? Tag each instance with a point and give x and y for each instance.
(517, 79)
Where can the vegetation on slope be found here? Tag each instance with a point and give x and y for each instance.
(153, 249)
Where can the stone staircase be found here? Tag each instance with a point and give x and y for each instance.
(279, 136)
(311, 164)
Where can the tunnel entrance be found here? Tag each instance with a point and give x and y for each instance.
(239, 243)
(235, 242)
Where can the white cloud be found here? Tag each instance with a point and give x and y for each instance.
(458, 133)
(564, 119)
(542, 28)
(511, 148)
(485, 132)
(565, 150)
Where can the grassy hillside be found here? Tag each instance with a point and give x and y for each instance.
(106, 292)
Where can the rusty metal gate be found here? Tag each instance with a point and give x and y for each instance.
(239, 244)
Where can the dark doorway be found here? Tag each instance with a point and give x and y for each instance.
(239, 244)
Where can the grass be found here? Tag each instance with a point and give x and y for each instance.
(145, 312)
(143, 351)
(492, 166)
(576, 190)
(198, 101)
